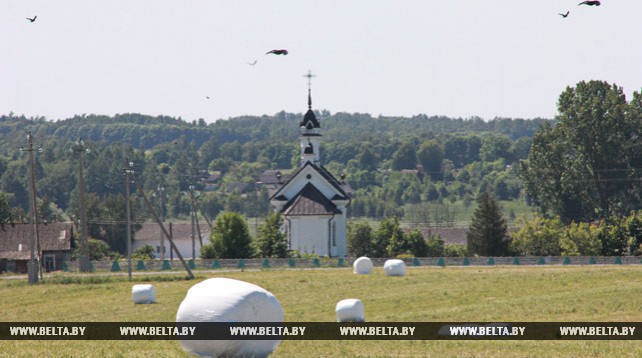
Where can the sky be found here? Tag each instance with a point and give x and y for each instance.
(458, 58)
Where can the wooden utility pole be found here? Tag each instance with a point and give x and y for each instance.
(84, 265)
(34, 262)
(156, 217)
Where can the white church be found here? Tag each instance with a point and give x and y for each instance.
(312, 201)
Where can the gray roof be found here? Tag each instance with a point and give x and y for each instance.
(15, 239)
(310, 201)
(180, 231)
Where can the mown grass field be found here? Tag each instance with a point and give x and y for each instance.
(482, 294)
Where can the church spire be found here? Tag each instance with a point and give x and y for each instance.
(309, 137)
(309, 119)
(309, 76)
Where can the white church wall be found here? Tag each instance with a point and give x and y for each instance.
(310, 234)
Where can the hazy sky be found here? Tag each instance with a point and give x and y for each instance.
(459, 58)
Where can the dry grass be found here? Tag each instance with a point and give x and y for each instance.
(551, 293)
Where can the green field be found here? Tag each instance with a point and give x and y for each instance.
(482, 294)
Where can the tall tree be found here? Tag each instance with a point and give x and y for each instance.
(495, 147)
(5, 209)
(585, 167)
(271, 242)
(431, 156)
(360, 239)
(405, 157)
(230, 238)
(487, 235)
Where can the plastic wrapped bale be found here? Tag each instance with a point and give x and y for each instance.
(350, 310)
(228, 300)
(143, 294)
(362, 265)
(394, 267)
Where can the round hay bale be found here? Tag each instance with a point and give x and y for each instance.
(362, 265)
(350, 310)
(394, 267)
(228, 300)
(143, 294)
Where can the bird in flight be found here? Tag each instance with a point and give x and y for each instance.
(32, 19)
(252, 63)
(590, 3)
(565, 15)
(278, 52)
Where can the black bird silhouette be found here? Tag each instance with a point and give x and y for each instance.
(590, 3)
(32, 19)
(278, 52)
(252, 63)
(565, 15)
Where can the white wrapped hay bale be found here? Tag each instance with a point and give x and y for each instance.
(143, 294)
(394, 267)
(362, 265)
(350, 310)
(228, 300)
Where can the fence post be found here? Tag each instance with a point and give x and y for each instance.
(115, 266)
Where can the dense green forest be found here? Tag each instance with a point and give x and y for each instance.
(583, 166)
(378, 155)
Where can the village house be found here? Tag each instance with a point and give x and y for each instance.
(150, 234)
(15, 246)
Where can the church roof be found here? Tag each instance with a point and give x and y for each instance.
(310, 121)
(310, 201)
(324, 173)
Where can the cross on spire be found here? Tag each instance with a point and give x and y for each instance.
(309, 76)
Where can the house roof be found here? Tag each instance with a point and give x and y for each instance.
(240, 188)
(310, 201)
(15, 239)
(180, 231)
(213, 177)
(269, 177)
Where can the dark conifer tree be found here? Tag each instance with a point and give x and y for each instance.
(487, 235)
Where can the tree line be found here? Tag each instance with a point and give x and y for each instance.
(583, 166)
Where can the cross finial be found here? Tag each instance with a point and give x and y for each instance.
(309, 76)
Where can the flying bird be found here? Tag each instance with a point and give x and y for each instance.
(32, 19)
(565, 15)
(590, 3)
(252, 63)
(278, 52)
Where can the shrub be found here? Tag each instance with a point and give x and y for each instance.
(538, 236)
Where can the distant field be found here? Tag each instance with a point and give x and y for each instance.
(483, 294)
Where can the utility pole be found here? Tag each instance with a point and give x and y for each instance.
(79, 147)
(192, 215)
(190, 275)
(128, 172)
(33, 267)
(161, 194)
(195, 210)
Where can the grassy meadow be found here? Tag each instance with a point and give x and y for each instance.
(485, 294)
